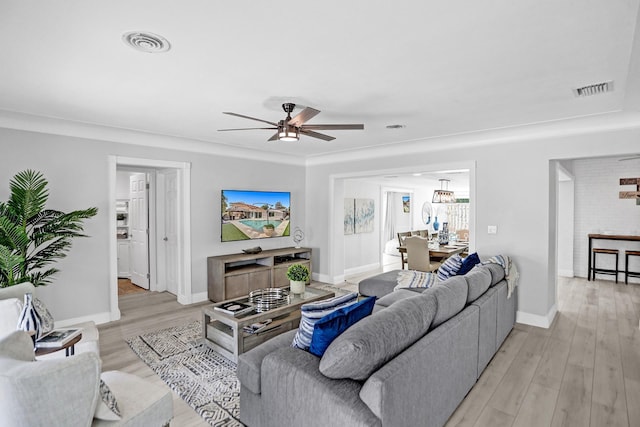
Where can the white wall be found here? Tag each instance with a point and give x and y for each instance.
(599, 210)
(362, 250)
(512, 191)
(77, 171)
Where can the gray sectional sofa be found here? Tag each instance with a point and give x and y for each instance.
(410, 363)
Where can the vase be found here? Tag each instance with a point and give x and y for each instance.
(29, 319)
(297, 286)
(436, 224)
(443, 236)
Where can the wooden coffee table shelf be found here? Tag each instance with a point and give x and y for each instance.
(224, 332)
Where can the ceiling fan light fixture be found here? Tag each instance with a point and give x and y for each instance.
(288, 133)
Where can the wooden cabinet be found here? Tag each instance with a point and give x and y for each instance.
(235, 275)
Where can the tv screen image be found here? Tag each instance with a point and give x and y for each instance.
(250, 214)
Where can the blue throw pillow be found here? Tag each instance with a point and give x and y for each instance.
(329, 327)
(313, 312)
(449, 267)
(468, 263)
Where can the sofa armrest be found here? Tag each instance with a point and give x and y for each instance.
(250, 363)
(33, 393)
(291, 379)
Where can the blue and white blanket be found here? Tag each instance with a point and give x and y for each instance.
(510, 271)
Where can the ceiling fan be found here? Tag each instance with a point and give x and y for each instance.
(290, 129)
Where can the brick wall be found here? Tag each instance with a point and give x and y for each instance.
(599, 210)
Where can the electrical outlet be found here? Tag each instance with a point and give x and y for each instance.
(492, 229)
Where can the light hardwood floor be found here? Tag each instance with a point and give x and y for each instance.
(582, 371)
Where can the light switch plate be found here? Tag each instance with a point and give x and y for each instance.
(492, 229)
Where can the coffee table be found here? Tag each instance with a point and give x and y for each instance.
(224, 332)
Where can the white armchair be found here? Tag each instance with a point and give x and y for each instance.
(65, 392)
(11, 299)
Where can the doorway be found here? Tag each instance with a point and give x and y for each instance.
(158, 203)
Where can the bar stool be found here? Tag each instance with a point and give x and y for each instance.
(628, 273)
(597, 270)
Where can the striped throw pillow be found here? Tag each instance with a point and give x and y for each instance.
(314, 311)
(450, 267)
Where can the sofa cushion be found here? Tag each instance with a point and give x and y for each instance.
(468, 263)
(314, 311)
(451, 296)
(332, 325)
(141, 402)
(250, 363)
(478, 281)
(10, 309)
(374, 340)
(497, 272)
(450, 267)
(398, 295)
(107, 407)
(379, 285)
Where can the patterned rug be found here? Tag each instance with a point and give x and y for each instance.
(200, 376)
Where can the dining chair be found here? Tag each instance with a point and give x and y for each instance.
(418, 254)
(401, 236)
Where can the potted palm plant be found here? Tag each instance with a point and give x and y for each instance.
(31, 236)
(298, 275)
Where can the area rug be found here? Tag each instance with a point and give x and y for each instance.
(200, 376)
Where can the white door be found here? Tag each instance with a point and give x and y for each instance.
(170, 239)
(139, 230)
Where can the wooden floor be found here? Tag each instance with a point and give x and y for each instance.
(583, 371)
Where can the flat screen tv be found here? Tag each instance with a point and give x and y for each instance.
(248, 215)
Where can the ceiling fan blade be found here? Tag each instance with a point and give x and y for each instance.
(316, 135)
(304, 115)
(223, 130)
(250, 118)
(334, 127)
(274, 137)
(629, 158)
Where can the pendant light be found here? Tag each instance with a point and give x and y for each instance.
(443, 195)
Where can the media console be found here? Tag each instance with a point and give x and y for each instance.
(235, 275)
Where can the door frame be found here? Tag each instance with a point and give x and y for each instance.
(184, 229)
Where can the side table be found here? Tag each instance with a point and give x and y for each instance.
(69, 347)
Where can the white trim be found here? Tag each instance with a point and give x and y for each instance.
(113, 244)
(184, 230)
(362, 269)
(97, 318)
(199, 297)
(537, 320)
(565, 273)
(325, 278)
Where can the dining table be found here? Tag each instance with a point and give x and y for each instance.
(440, 253)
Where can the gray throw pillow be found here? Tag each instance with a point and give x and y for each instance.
(376, 339)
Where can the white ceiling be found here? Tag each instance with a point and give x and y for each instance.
(439, 68)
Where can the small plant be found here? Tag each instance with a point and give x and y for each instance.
(269, 226)
(298, 273)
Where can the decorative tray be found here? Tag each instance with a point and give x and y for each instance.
(268, 299)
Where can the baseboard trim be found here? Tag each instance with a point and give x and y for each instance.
(565, 273)
(97, 318)
(327, 279)
(362, 269)
(199, 297)
(537, 320)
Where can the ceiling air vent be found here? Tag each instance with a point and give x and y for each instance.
(146, 42)
(595, 89)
